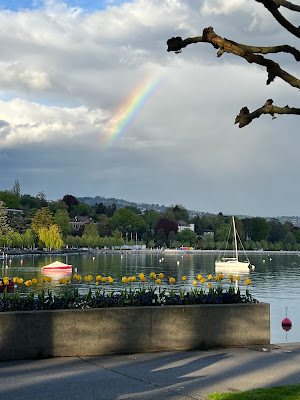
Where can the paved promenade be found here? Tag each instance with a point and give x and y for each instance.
(168, 376)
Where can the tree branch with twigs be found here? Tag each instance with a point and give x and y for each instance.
(253, 55)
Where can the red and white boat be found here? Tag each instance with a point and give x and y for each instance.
(57, 266)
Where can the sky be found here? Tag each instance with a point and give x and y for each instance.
(91, 103)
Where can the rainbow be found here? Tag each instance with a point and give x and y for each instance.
(127, 112)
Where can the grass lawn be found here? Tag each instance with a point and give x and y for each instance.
(290, 392)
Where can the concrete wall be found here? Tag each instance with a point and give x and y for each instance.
(31, 334)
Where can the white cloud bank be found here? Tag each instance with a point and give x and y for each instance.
(64, 73)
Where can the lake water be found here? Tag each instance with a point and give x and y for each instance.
(275, 280)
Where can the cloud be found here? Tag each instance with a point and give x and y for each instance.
(64, 73)
(35, 123)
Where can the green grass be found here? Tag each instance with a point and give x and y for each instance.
(290, 392)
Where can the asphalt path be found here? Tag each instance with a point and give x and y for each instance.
(168, 375)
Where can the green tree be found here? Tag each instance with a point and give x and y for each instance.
(43, 218)
(62, 220)
(151, 244)
(260, 229)
(16, 189)
(29, 238)
(172, 237)
(17, 240)
(276, 230)
(222, 233)
(91, 235)
(51, 237)
(103, 225)
(160, 238)
(81, 209)
(4, 226)
(126, 221)
(10, 200)
(188, 237)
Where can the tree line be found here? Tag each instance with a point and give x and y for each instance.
(44, 224)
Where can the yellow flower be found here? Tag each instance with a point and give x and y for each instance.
(6, 278)
(15, 279)
(87, 278)
(203, 280)
(247, 281)
(28, 283)
(78, 278)
(34, 281)
(90, 278)
(1, 283)
(98, 278)
(153, 275)
(195, 283)
(20, 280)
(217, 278)
(133, 278)
(130, 279)
(103, 279)
(110, 279)
(209, 284)
(96, 282)
(199, 277)
(209, 276)
(221, 276)
(184, 278)
(68, 279)
(5, 282)
(172, 280)
(75, 276)
(49, 279)
(61, 281)
(158, 281)
(231, 278)
(143, 279)
(238, 278)
(68, 282)
(141, 276)
(161, 275)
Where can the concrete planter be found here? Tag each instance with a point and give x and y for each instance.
(31, 334)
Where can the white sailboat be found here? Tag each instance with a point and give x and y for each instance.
(232, 264)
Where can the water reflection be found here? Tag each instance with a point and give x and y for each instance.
(276, 278)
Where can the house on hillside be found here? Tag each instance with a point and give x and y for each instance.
(80, 221)
(184, 225)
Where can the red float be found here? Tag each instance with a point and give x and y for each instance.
(286, 324)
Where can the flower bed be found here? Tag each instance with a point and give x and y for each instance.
(153, 316)
(152, 294)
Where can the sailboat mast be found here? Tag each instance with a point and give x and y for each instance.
(235, 241)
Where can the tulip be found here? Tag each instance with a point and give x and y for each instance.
(34, 281)
(184, 278)
(247, 281)
(98, 278)
(199, 277)
(158, 281)
(161, 275)
(195, 283)
(20, 280)
(153, 275)
(209, 276)
(172, 280)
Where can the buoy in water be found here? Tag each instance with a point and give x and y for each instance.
(286, 323)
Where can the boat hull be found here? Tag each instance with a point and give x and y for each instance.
(232, 266)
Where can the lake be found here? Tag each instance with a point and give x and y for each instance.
(275, 280)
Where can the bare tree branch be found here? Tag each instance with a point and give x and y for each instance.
(225, 45)
(287, 4)
(245, 117)
(272, 6)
